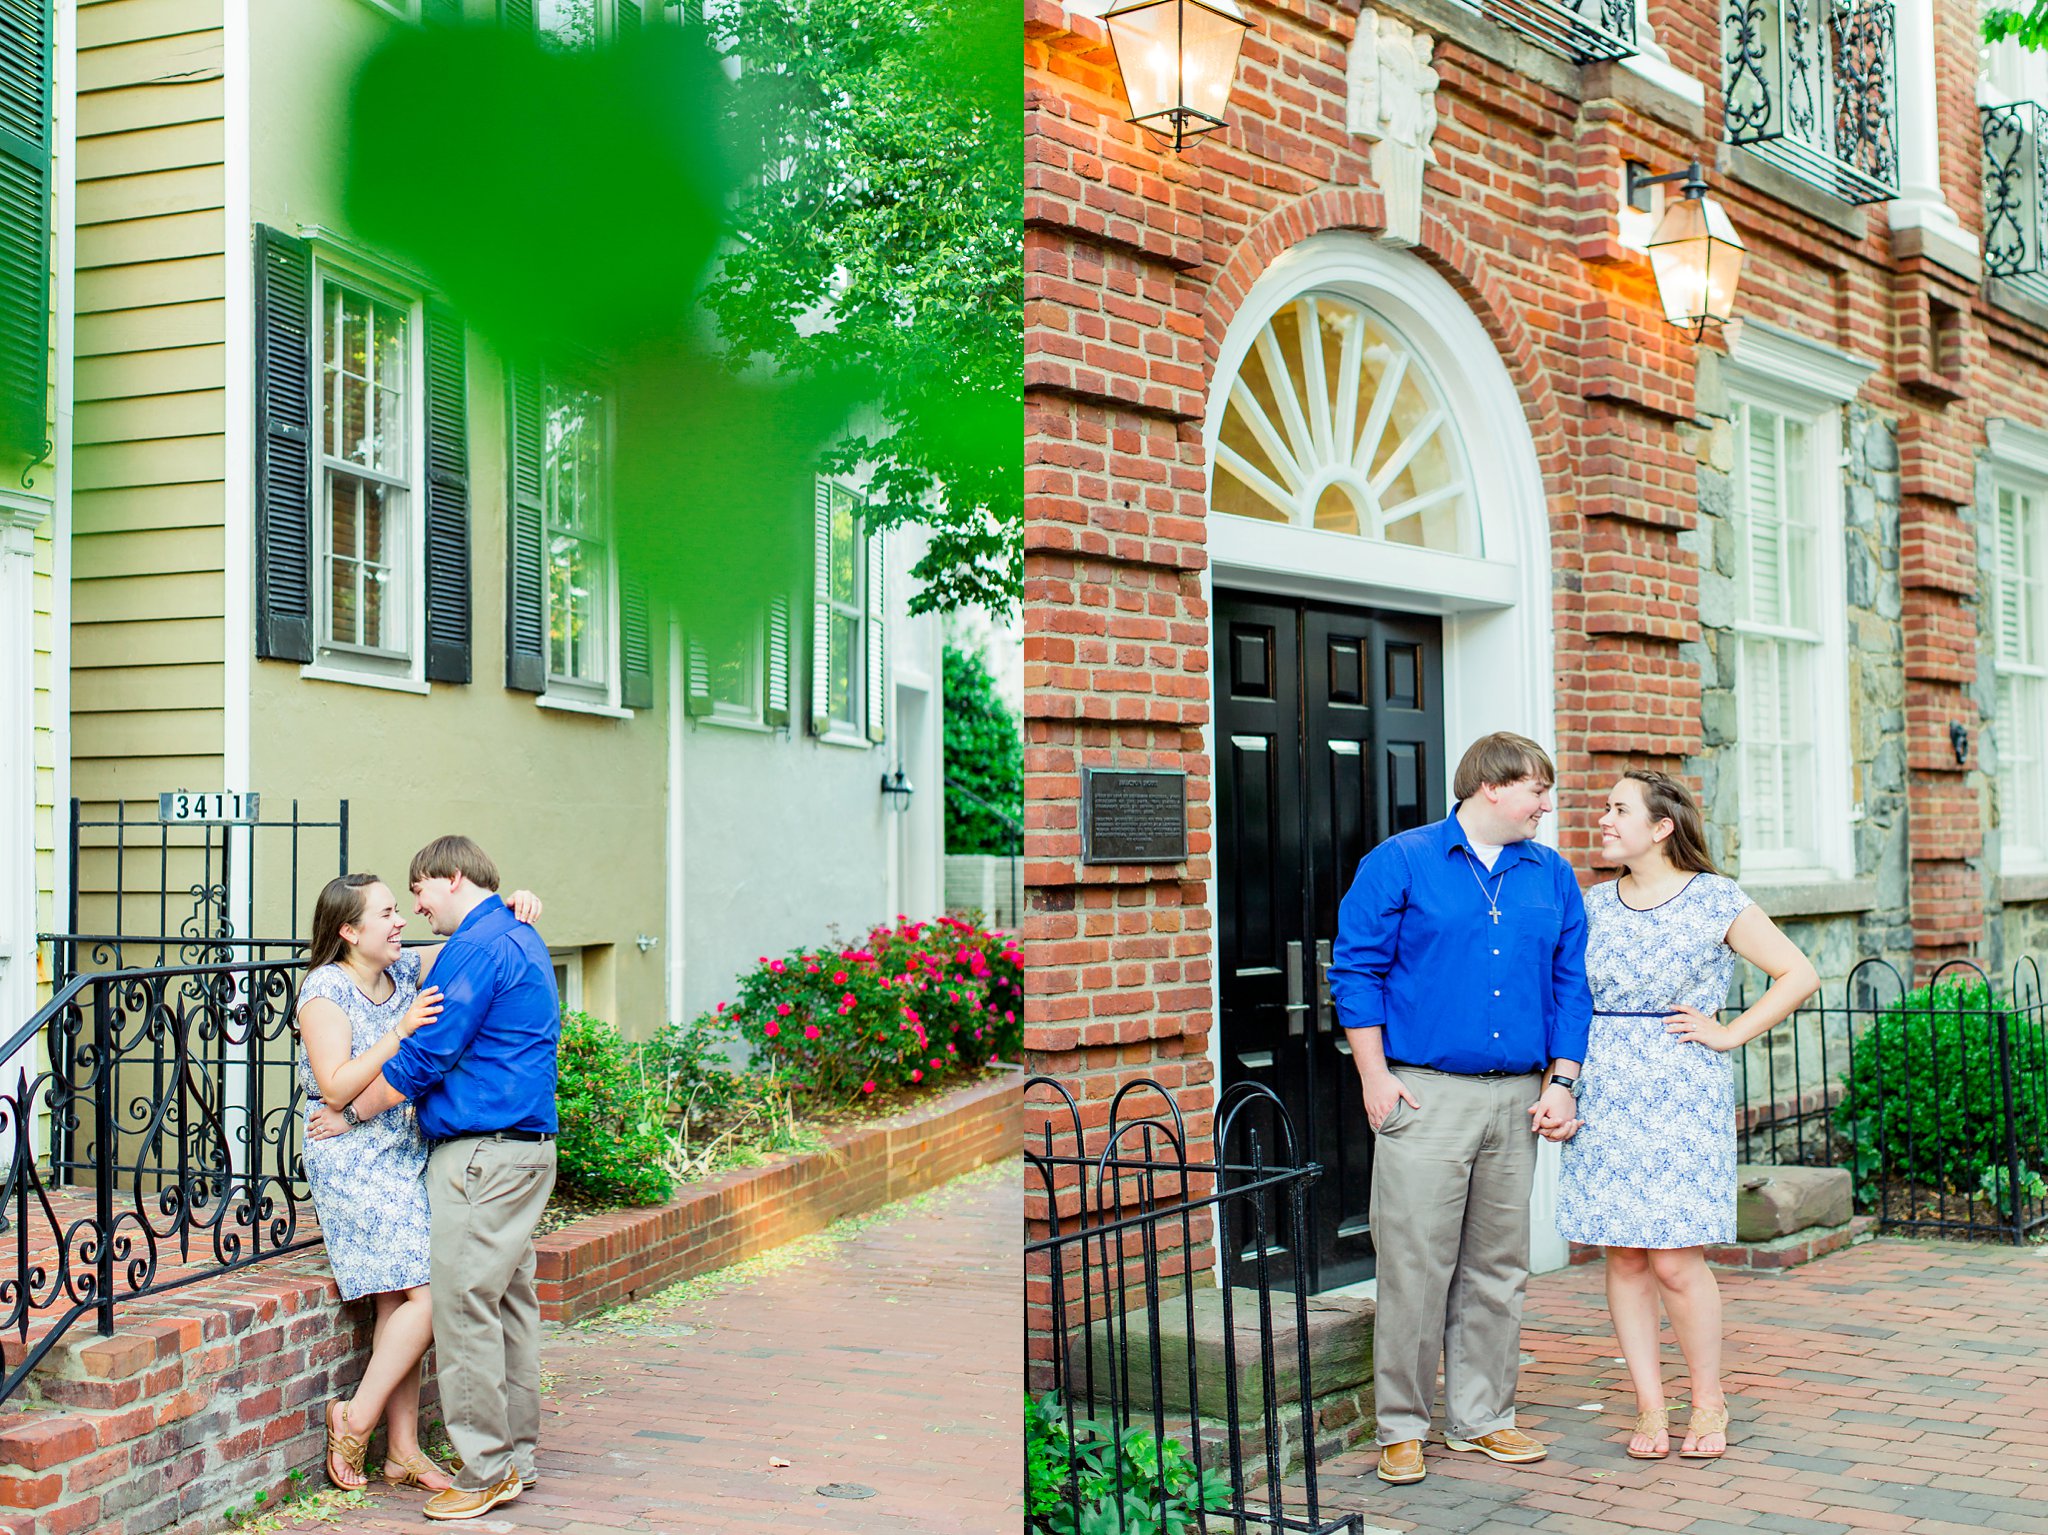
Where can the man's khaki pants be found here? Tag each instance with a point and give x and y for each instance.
(1450, 1224)
(486, 1194)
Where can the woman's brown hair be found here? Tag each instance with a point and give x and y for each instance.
(1666, 799)
(340, 904)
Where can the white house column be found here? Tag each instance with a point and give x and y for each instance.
(20, 516)
(1921, 219)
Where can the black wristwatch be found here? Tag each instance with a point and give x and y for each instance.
(348, 1114)
(1569, 1084)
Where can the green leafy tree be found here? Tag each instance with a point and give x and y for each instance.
(2030, 25)
(984, 756)
(882, 239)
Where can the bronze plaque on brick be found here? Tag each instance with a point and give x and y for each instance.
(1134, 815)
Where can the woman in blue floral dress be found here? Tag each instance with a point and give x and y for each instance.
(1650, 1174)
(361, 997)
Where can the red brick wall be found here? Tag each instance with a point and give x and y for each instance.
(1135, 261)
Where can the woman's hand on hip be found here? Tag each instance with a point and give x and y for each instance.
(1696, 1028)
(426, 1007)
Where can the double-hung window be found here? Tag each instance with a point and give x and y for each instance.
(741, 678)
(366, 477)
(2018, 561)
(575, 492)
(849, 675)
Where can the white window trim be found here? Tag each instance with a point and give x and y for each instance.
(753, 716)
(2018, 456)
(574, 694)
(1794, 376)
(332, 663)
(854, 732)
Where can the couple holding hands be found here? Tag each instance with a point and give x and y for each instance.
(1489, 1002)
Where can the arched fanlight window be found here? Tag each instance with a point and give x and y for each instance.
(1334, 422)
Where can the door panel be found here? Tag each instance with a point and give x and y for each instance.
(1330, 739)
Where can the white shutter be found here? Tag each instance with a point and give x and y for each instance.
(697, 678)
(776, 691)
(821, 607)
(1762, 507)
(877, 653)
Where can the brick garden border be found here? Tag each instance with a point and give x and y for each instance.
(602, 1260)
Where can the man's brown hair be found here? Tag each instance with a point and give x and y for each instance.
(1501, 758)
(446, 857)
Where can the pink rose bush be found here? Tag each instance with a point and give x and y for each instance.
(909, 1004)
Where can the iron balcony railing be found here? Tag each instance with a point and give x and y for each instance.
(178, 1089)
(1934, 1096)
(1138, 1423)
(1811, 86)
(2015, 199)
(1584, 31)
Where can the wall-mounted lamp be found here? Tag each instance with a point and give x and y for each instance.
(1178, 59)
(897, 789)
(1695, 254)
(1959, 742)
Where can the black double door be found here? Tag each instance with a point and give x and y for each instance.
(1329, 740)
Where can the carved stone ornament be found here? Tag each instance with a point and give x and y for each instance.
(1390, 98)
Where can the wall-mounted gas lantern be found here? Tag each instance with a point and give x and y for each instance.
(1695, 254)
(1178, 59)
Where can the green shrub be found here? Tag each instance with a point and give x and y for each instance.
(614, 1136)
(910, 1005)
(1924, 1097)
(1071, 1483)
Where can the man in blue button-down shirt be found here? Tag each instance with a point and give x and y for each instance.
(482, 1079)
(1460, 973)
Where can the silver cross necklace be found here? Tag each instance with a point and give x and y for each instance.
(1492, 896)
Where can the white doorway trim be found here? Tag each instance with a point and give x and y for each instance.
(1496, 605)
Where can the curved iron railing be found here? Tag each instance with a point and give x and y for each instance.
(178, 1088)
(1131, 1226)
(1935, 1096)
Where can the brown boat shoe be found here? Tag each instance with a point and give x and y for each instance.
(1401, 1462)
(1504, 1444)
(459, 1503)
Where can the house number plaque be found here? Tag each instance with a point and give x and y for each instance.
(212, 807)
(1134, 815)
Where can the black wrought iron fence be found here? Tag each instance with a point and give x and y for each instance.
(177, 1087)
(1162, 1402)
(1934, 1096)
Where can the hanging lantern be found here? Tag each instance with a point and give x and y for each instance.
(1178, 59)
(1695, 255)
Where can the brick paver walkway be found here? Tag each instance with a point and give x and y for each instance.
(883, 1358)
(1896, 1386)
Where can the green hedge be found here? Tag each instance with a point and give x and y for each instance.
(1924, 1097)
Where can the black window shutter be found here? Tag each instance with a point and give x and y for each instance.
(24, 227)
(628, 15)
(526, 616)
(636, 655)
(516, 13)
(441, 12)
(447, 574)
(284, 447)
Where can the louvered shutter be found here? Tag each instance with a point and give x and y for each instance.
(636, 653)
(877, 656)
(2008, 571)
(1763, 471)
(24, 227)
(628, 16)
(516, 13)
(447, 573)
(526, 616)
(696, 679)
(775, 692)
(441, 12)
(821, 607)
(284, 447)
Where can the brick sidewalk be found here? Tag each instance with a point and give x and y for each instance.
(1897, 1386)
(882, 1356)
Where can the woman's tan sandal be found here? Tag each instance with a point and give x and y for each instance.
(414, 1471)
(352, 1448)
(1649, 1424)
(1702, 1422)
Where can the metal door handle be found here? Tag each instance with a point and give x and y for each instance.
(1296, 1006)
(1325, 1008)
